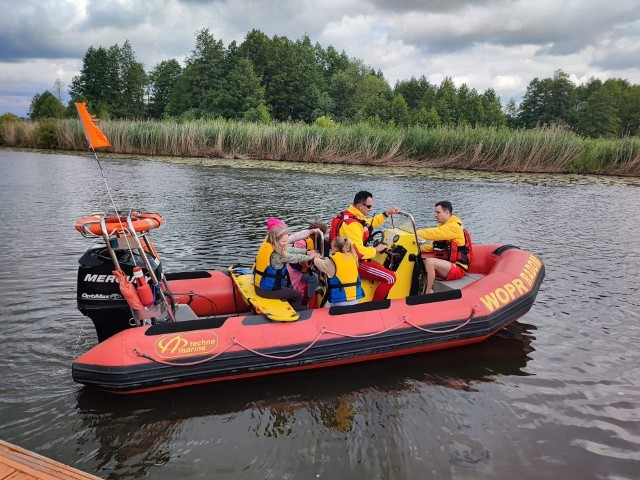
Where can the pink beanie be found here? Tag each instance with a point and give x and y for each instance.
(274, 222)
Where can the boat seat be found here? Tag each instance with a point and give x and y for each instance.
(443, 286)
(275, 309)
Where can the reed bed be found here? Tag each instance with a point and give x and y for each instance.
(493, 149)
(18, 134)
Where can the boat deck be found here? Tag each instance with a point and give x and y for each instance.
(19, 464)
(469, 278)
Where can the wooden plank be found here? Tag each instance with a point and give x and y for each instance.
(5, 471)
(21, 464)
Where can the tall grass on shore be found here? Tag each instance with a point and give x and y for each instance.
(493, 149)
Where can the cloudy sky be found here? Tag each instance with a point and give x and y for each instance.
(500, 44)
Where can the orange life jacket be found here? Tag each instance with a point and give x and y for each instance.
(460, 255)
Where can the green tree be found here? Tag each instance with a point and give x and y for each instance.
(242, 90)
(610, 108)
(492, 109)
(259, 114)
(584, 91)
(470, 106)
(598, 115)
(162, 80)
(548, 101)
(98, 81)
(446, 102)
(630, 113)
(418, 93)
(399, 111)
(46, 105)
(257, 48)
(533, 104)
(330, 62)
(294, 77)
(512, 112)
(325, 106)
(627, 101)
(310, 81)
(426, 118)
(111, 81)
(132, 81)
(374, 97)
(342, 89)
(180, 97)
(202, 80)
(561, 101)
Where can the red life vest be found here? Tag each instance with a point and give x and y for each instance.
(347, 217)
(449, 250)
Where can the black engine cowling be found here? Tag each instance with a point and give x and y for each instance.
(98, 292)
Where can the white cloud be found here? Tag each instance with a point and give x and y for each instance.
(500, 44)
(507, 83)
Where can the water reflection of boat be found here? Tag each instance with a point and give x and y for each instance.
(175, 341)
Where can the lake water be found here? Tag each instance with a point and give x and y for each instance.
(556, 395)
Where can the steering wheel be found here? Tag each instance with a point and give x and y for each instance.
(375, 238)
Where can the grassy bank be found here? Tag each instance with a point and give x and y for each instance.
(540, 150)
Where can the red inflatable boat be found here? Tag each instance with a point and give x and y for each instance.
(208, 326)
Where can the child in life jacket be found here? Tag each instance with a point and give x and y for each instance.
(303, 279)
(271, 279)
(341, 267)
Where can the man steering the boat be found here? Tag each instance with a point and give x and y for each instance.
(354, 224)
(449, 254)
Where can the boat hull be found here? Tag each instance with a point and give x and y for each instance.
(207, 350)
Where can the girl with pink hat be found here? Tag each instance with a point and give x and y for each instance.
(270, 271)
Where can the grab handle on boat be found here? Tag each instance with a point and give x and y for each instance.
(152, 274)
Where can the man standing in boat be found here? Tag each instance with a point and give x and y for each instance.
(451, 247)
(354, 225)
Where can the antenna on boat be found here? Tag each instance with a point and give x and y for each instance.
(97, 139)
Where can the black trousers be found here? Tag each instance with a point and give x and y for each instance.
(289, 294)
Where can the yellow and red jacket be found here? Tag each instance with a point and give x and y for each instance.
(351, 224)
(449, 241)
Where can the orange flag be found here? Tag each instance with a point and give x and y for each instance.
(94, 135)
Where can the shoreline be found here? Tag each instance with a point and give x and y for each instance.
(544, 150)
(395, 170)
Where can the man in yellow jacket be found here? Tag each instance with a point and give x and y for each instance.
(354, 224)
(450, 259)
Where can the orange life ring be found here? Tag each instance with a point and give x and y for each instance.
(142, 222)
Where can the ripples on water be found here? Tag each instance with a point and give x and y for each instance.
(553, 396)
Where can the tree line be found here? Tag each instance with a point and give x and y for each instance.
(264, 79)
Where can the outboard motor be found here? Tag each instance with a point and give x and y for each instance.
(98, 292)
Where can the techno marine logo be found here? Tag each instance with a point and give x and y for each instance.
(187, 344)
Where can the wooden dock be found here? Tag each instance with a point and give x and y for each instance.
(19, 464)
